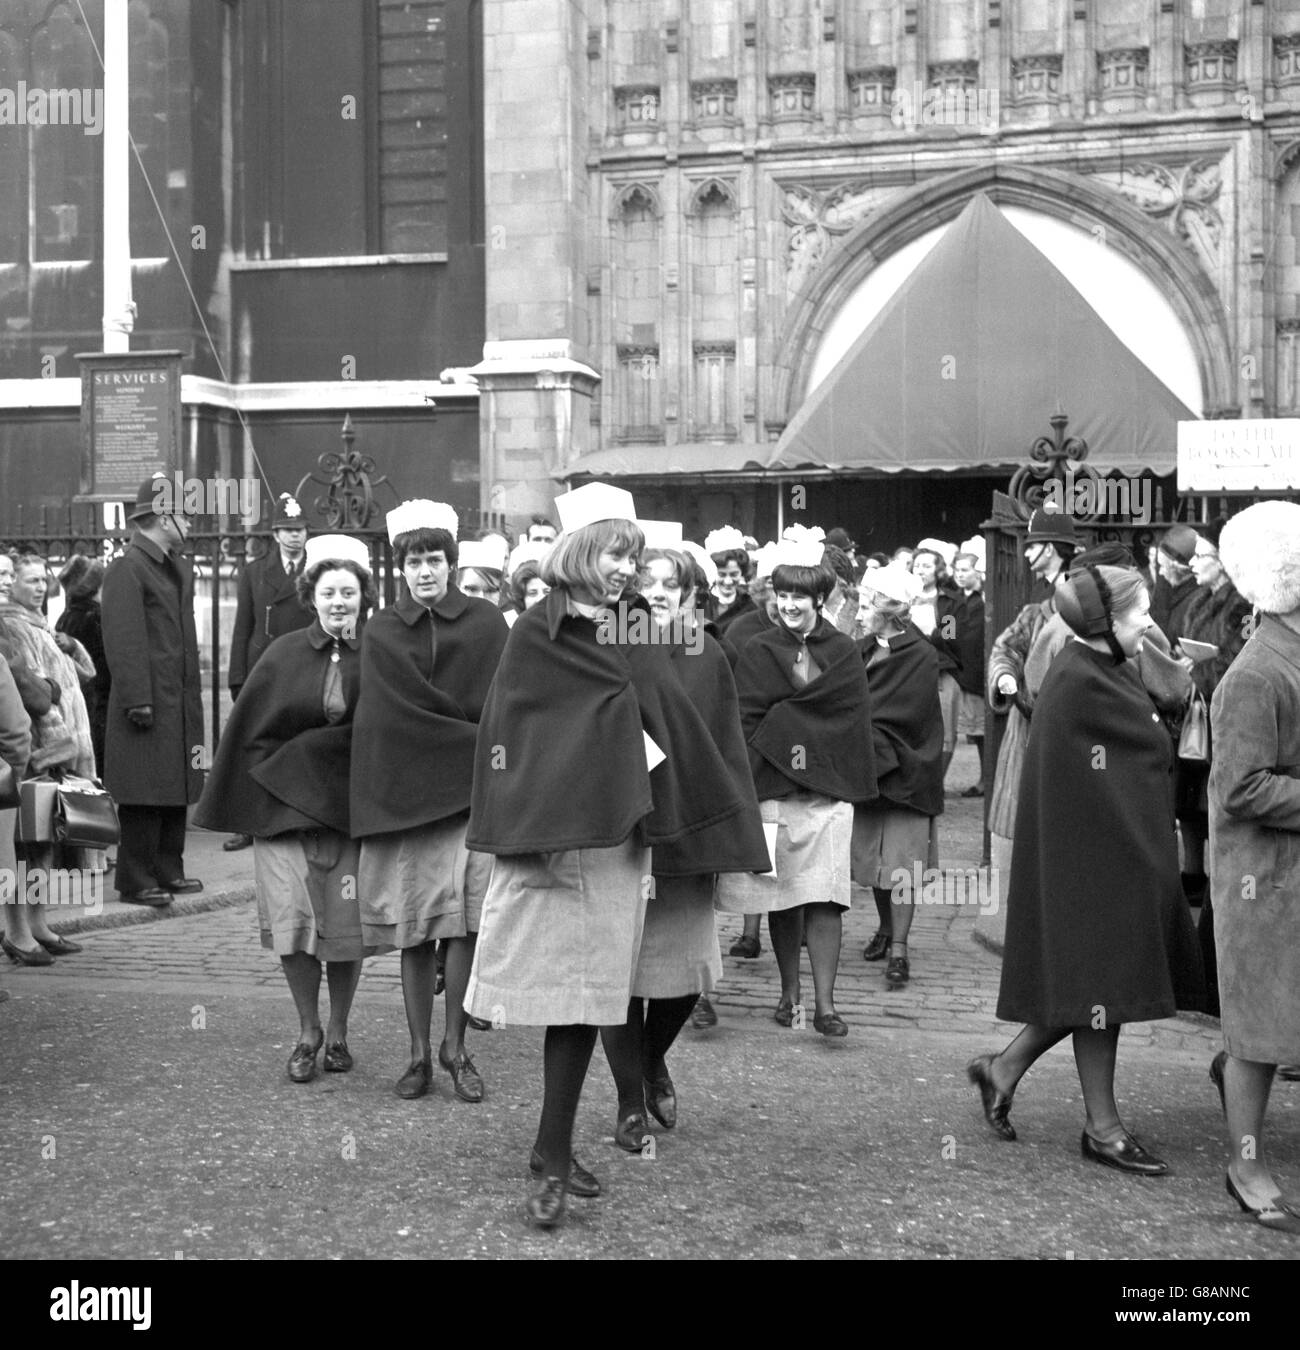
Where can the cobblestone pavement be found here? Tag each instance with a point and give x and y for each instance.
(148, 1114)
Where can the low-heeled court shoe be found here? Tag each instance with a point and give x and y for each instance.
(703, 1015)
(337, 1058)
(150, 895)
(1277, 1214)
(183, 886)
(997, 1105)
(38, 957)
(545, 1206)
(746, 947)
(302, 1063)
(415, 1081)
(582, 1183)
(464, 1076)
(830, 1024)
(236, 842)
(897, 972)
(1125, 1154)
(878, 948)
(632, 1131)
(59, 946)
(661, 1098)
(784, 1014)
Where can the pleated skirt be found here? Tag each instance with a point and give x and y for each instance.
(559, 937)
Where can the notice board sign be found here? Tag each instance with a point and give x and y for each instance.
(1260, 454)
(130, 421)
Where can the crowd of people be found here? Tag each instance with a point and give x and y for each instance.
(542, 772)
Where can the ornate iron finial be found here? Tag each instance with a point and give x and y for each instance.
(1055, 474)
(348, 479)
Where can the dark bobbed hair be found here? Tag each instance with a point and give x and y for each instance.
(570, 563)
(815, 582)
(882, 558)
(308, 578)
(425, 541)
(684, 566)
(739, 557)
(522, 575)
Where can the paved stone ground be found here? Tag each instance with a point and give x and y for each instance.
(147, 1114)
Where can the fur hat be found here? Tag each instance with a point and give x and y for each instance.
(1179, 543)
(1260, 551)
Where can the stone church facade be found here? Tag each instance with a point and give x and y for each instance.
(680, 195)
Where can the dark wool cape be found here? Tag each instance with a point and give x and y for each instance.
(735, 844)
(750, 624)
(1096, 920)
(906, 722)
(281, 765)
(425, 676)
(723, 619)
(561, 753)
(814, 739)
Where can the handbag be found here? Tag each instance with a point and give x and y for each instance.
(10, 791)
(1194, 739)
(85, 816)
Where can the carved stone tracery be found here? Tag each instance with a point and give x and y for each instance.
(1184, 197)
(815, 216)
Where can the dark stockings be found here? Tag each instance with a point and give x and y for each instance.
(1094, 1058)
(636, 1050)
(565, 1060)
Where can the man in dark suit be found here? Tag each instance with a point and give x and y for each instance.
(154, 736)
(268, 603)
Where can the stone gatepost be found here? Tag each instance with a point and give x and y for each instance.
(535, 384)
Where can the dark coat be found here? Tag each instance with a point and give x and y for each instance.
(282, 765)
(906, 721)
(84, 621)
(958, 637)
(730, 845)
(267, 608)
(1254, 858)
(1169, 607)
(1222, 617)
(425, 676)
(814, 739)
(1096, 920)
(153, 657)
(723, 619)
(561, 760)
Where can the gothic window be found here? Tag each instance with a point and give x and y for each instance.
(715, 389)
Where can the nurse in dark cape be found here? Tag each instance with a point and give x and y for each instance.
(281, 775)
(1097, 929)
